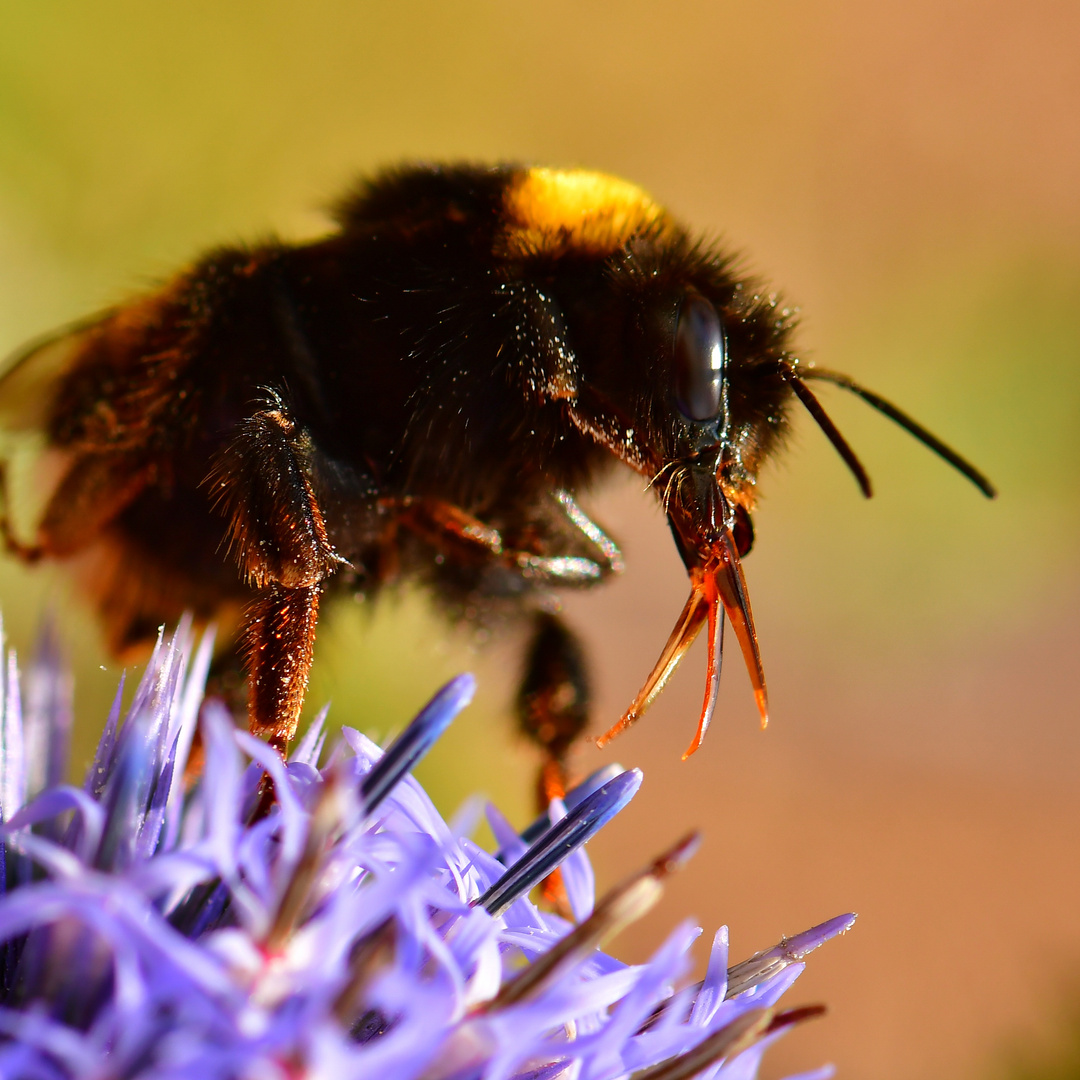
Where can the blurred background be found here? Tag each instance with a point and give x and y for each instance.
(908, 174)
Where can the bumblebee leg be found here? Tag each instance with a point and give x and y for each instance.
(279, 640)
(264, 483)
(605, 551)
(585, 553)
(553, 699)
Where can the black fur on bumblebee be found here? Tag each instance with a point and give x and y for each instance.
(422, 393)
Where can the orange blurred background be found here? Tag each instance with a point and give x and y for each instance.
(908, 174)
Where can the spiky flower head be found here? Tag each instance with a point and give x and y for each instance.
(158, 926)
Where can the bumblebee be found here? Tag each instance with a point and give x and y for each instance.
(421, 394)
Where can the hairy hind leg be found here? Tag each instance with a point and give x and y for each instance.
(264, 484)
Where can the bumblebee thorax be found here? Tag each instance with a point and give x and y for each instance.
(554, 212)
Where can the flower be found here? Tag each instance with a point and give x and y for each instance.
(155, 926)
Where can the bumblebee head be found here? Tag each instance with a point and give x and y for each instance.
(668, 358)
(666, 354)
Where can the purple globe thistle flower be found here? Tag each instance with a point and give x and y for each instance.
(156, 926)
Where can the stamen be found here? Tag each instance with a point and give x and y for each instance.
(791, 1017)
(623, 905)
(559, 841)
(416, 740)
(729, 1041)
(769, 962)
(326, 818)
(370, 955)
(574, 797)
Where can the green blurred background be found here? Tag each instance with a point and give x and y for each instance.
(907, 173)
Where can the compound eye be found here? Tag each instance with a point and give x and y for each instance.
(699, 359)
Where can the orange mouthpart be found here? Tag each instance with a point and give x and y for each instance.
(717, 587)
